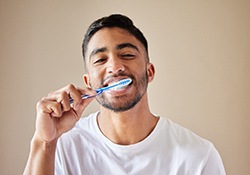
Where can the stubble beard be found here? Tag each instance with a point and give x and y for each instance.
(124, 103)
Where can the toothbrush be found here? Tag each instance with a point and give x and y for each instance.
(120, 83)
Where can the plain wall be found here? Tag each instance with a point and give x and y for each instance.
(201, 51)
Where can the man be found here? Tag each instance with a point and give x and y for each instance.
(123, 137)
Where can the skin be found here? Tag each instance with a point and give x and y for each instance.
(112, 54)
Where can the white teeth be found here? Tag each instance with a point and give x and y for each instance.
(121, 84)
(110, 84)
(119, 87)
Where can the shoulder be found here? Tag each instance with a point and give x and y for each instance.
(184, 140)
(181, 134)
(192, 148)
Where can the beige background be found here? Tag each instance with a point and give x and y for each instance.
(200, 48)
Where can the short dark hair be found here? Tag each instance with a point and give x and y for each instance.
(114, 20)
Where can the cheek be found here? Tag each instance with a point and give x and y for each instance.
(95, 79)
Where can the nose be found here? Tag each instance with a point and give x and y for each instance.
(115, 65)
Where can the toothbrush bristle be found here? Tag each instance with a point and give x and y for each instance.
(125, 81)
(121, 83)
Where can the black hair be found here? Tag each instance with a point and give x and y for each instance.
(115, 20)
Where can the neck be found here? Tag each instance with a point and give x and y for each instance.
(128, 127)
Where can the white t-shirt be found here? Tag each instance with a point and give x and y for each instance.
(169, 150)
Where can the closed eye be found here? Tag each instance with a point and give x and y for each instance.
(128, 56)
(101, 60)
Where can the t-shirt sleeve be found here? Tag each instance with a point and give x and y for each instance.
(214, 164)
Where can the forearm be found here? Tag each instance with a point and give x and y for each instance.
(41, 159)
(55, 116)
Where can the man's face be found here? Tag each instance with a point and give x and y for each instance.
(114, 54)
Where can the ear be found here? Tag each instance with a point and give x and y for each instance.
(86, 80)
(151, 72)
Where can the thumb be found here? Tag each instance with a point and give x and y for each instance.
(82, 106)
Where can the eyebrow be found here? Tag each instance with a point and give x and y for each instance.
(98, 50)
(124, 45)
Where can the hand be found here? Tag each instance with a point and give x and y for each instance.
(55, 114)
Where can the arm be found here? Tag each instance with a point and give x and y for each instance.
(41, 158)
(55, 116)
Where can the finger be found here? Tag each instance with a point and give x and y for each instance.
(64, 100)
(70, 89)
(82, 106)
(50, 107)
(68, 94)
(64, 95)
(85, 92)
(88, 91)
(74, 94)
(56, 109)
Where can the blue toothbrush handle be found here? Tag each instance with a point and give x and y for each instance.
(86, 96)
(100, 90)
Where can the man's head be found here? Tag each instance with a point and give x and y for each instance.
(115, 20)
(114, 53)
